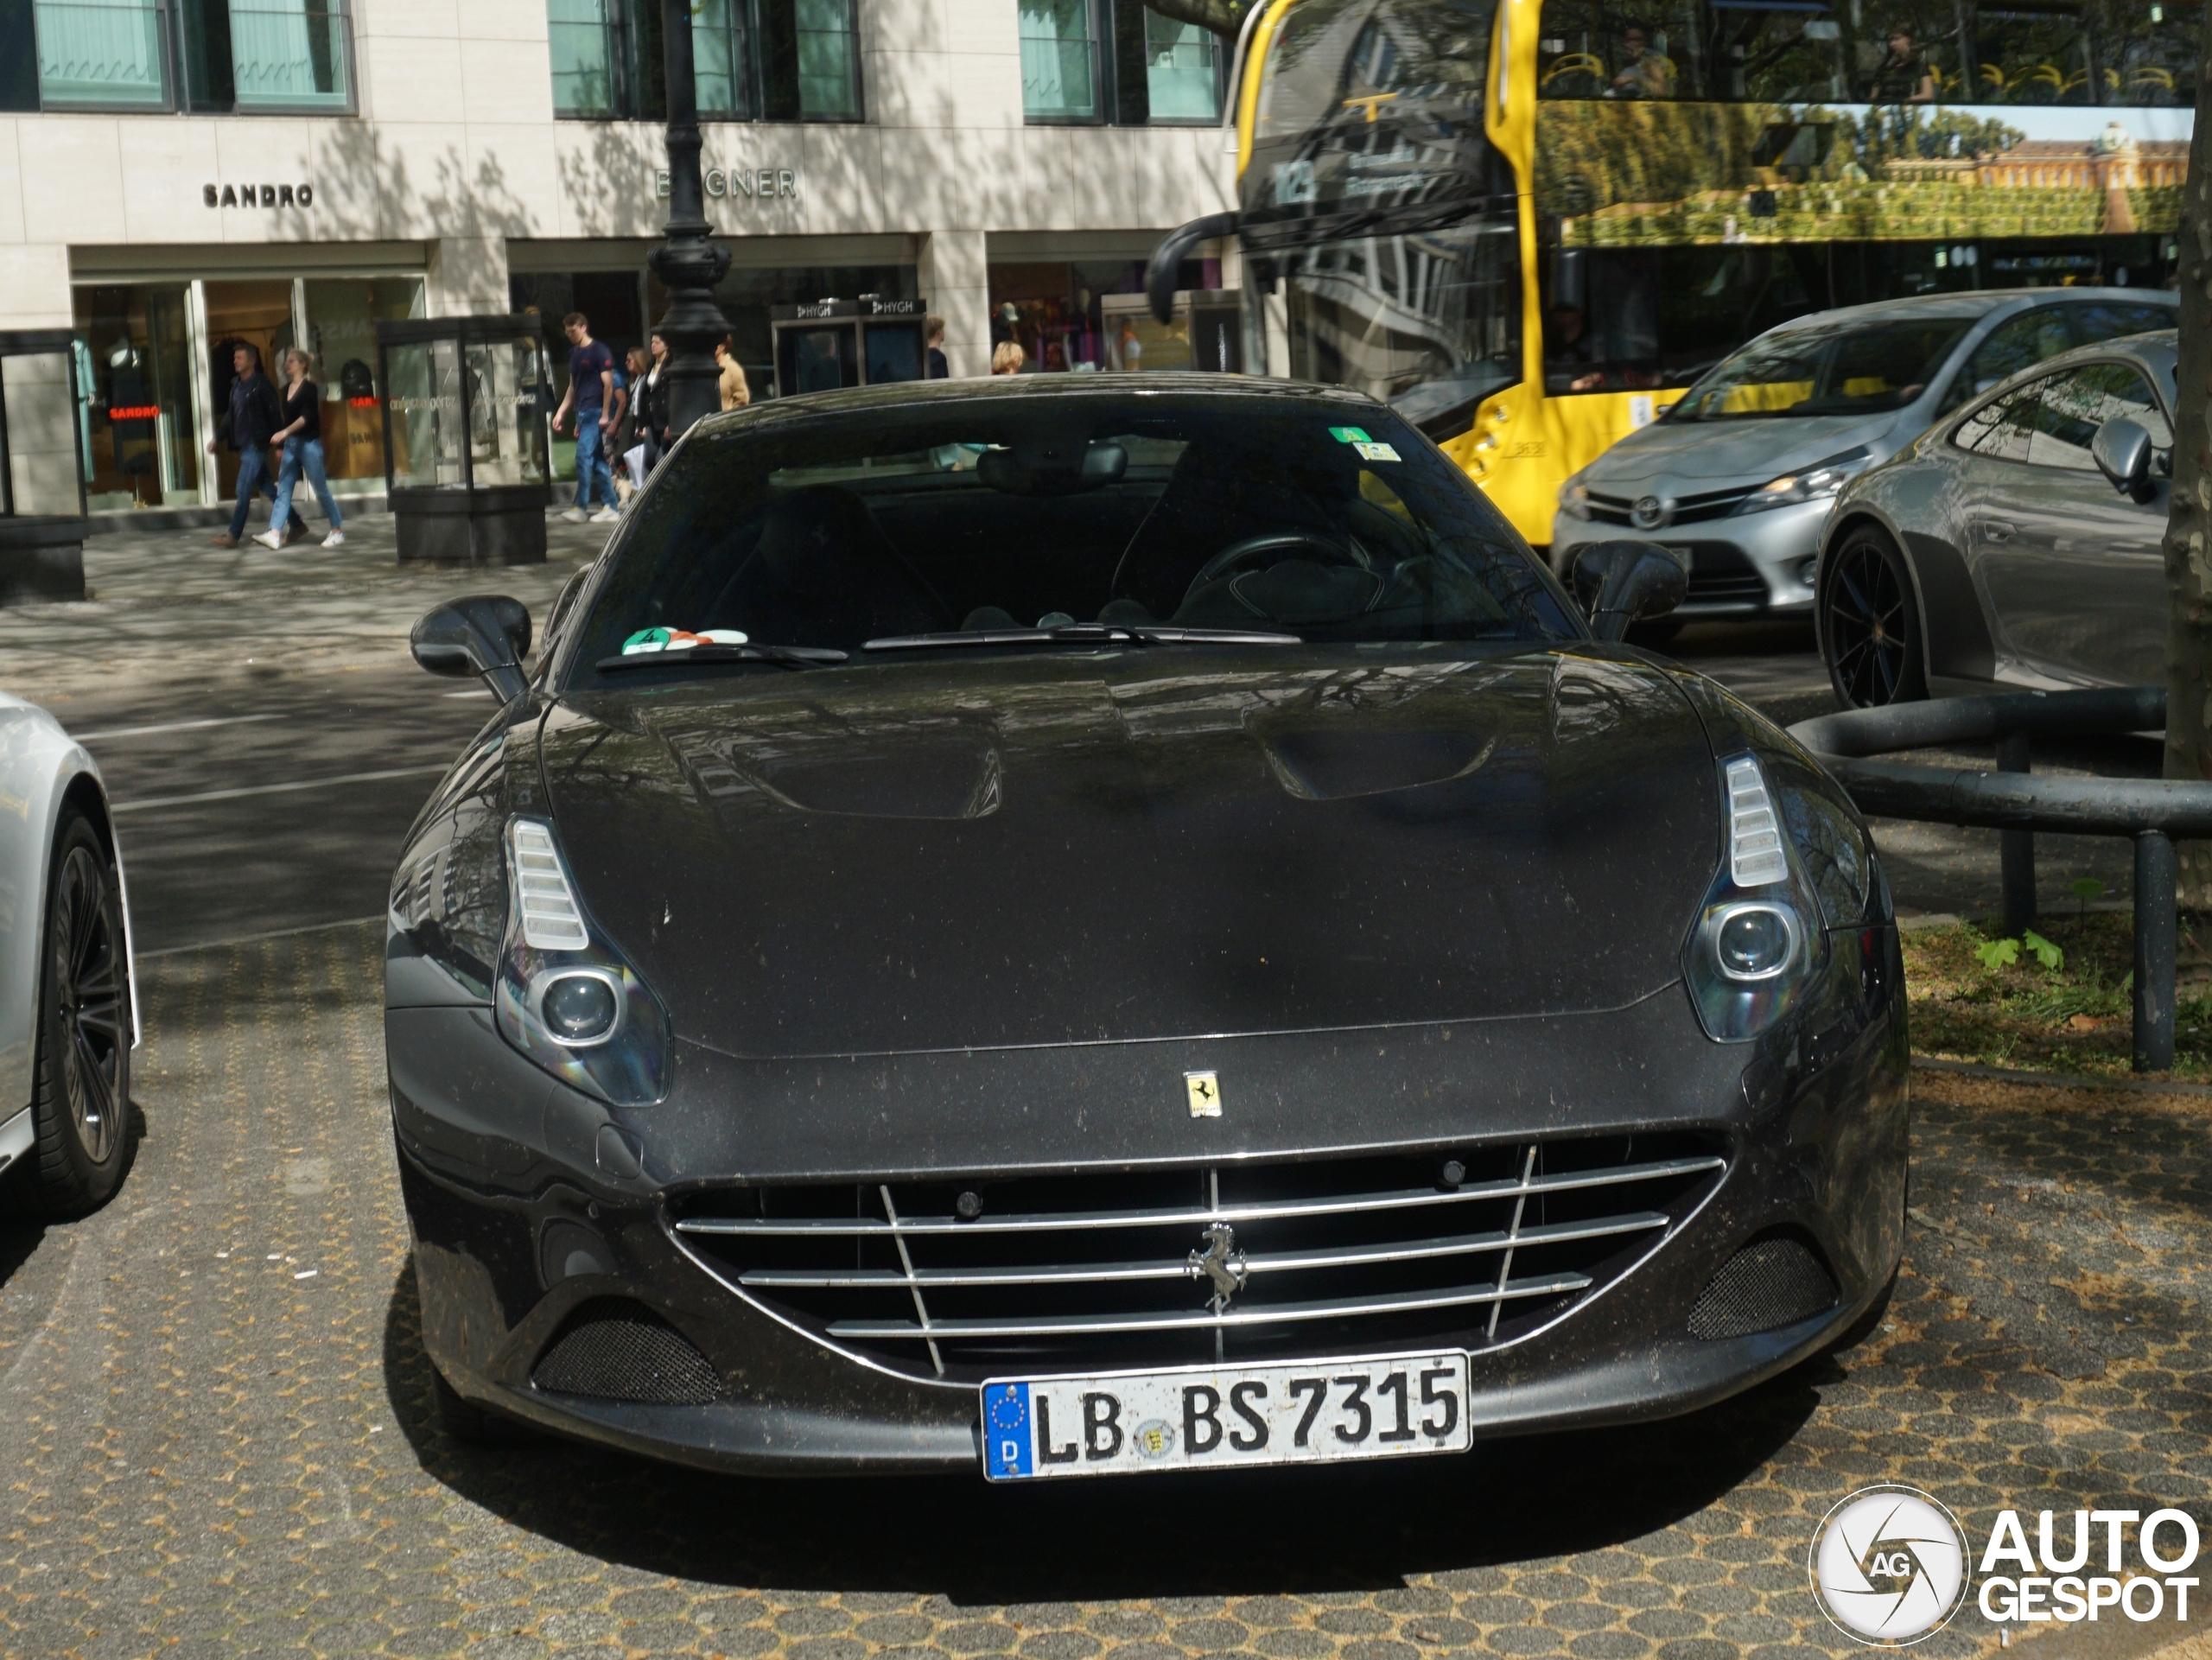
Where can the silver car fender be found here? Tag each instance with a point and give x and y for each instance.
(40, 765)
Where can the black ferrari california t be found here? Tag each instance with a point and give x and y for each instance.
(1073, 925)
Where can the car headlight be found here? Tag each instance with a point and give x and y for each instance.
(1575, 499)
(1814, 483)
(1757, 942)
(565, 997)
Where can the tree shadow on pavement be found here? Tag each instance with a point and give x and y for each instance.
(1342, 1527)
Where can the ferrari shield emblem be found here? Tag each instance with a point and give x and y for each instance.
(1205, 1094)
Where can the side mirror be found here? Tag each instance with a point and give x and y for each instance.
(2121, 450)
(486, 634)
(1625, 582)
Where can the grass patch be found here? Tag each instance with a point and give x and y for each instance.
(1976, 997)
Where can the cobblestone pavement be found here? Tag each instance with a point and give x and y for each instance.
(215, 1436)
(169, 605)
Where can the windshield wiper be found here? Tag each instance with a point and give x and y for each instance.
(1086, 634)
(784, 657)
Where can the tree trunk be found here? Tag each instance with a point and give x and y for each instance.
(1223, 17)
(2189, 525)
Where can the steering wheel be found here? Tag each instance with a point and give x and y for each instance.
(1277, 545)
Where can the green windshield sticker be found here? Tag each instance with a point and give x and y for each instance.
(1349, 435)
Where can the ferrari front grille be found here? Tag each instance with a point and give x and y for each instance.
(966, 1279)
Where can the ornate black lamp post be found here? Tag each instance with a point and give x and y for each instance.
(688, 263)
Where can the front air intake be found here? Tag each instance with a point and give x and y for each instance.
(1470, 1246)
(621, 1351)
(1769, 1283)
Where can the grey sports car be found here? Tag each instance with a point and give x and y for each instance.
(2017, 542)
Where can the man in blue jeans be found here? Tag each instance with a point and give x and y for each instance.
(254, 417)
(591, 392)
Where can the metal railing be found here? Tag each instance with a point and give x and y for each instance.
(2014, 800)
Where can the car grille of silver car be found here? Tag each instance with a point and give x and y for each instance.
(1689, 510)
(1470, 1246)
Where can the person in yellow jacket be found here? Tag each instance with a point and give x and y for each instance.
(737, 394)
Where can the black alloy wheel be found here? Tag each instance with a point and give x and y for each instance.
(1870, 623)
(82, 1104)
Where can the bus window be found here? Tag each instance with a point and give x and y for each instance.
(1629, 320)
(1913, 52)
(1601, 322)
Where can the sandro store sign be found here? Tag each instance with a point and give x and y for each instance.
(257, 195)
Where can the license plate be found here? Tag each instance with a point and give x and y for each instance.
(1218, 1417)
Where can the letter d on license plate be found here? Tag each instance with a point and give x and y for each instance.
(1214, 1417)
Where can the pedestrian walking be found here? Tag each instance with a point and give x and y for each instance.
(591, 394)
(933, 337)
(737, 394)
(651, 406)
(254, 415)
(1007, 358)
(302, 438)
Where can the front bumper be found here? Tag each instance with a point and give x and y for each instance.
(530, 1201)
(1759, 564)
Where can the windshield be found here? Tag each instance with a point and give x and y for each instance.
(1370, 113)
(1430, 324)
(1835, 369)
(1325, 518)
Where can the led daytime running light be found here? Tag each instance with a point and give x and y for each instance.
(550, 919)
(1755, 855)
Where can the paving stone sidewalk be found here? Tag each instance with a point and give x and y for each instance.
(215, 1437)
(169, 607)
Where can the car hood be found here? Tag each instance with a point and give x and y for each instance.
(1049, 848)
(1748, 449)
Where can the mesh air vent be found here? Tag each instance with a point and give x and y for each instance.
(1771, 1282)
(621, 1351)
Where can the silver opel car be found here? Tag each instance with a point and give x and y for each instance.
(1741, 472)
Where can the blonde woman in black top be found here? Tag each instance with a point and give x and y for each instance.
(302, 438)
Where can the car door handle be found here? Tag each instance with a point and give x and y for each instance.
(1999, 529)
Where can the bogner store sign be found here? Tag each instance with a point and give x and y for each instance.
(758, 183)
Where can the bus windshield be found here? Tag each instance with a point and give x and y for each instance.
(1370, 117)
(1428, 323)
(1841, 368)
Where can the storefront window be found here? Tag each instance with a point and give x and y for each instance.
(745, 297)
(137, 420)
(291, 54)
(342, 317)
(102, 54)
(1055, 313)
(1182, 67)
(1059, 60)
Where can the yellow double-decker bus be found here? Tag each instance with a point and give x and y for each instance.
(1527, 225)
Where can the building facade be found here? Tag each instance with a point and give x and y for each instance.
(179, 175)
